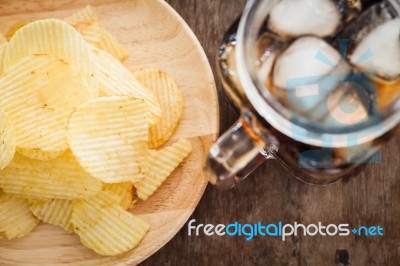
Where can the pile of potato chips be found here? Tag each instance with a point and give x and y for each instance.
(79, 132)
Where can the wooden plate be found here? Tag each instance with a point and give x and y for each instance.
(156, 36)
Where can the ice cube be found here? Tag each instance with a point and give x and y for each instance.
(305, 57)
(300, 17)
(306, 71)
(383, 44)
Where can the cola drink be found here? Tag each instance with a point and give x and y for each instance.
(338, 70)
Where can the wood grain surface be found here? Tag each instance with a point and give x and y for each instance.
(155, 37)
(371, 197)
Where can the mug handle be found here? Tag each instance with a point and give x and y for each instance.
(241, 149)
(238, 152)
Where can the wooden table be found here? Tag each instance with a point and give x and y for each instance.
(371, 197)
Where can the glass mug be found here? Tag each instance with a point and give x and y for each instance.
(321, 97)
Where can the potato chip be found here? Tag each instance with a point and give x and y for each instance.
(14, 27)
(110, 44)
(171, 103)
(88, 24)
(116, 79)
(3, 47)
(108, 135)
(61, 178)
(105, 227)
(16, 219)
(125, 193)
(39, 93)
(7, 140)
(160, 165)
(55, 211)
(38, 154)
(54, 37)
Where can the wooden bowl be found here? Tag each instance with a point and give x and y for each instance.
(156, 36)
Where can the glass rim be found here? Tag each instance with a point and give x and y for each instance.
(279, 116)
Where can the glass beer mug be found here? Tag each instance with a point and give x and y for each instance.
(317, 83)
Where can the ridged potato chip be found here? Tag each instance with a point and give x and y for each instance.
(110, 44)
(171, 103)
(125, 193)
(61, 178)
(16, 220)
(38, 154)
(39, 93)
(55, 211)
(14, 27)
(88, 24)
(160, 165)
(7, 140)
(53, 37)
(3, 47)
(108, 136)
(105, 227)
(116, 79)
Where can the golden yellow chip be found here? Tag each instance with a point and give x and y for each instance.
(125, 193)
(7, 140)
(171, 103)
(55, 211)
(160, 165)
(116, 79)
(3, 47)
(88, 24)
(16, 220)
(110, 44)
(108, 135)
(61, 178)
(54, 37)
(105, 227)
(39, 93)
(38, 154)
(14, 27)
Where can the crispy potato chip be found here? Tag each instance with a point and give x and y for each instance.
(83, 16)
(116, 79)
(38, 154)
(39, 93)
(55, 211)
(88, 24)
(14, 27)
(105, 227)
(3, 47)
(171, 103)
(110, 44)
(160, 165)
(125, 193)
(7, 140)
(108, 135)
(91, 32)
(54, 37)
(61, 178)
(16, 219)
